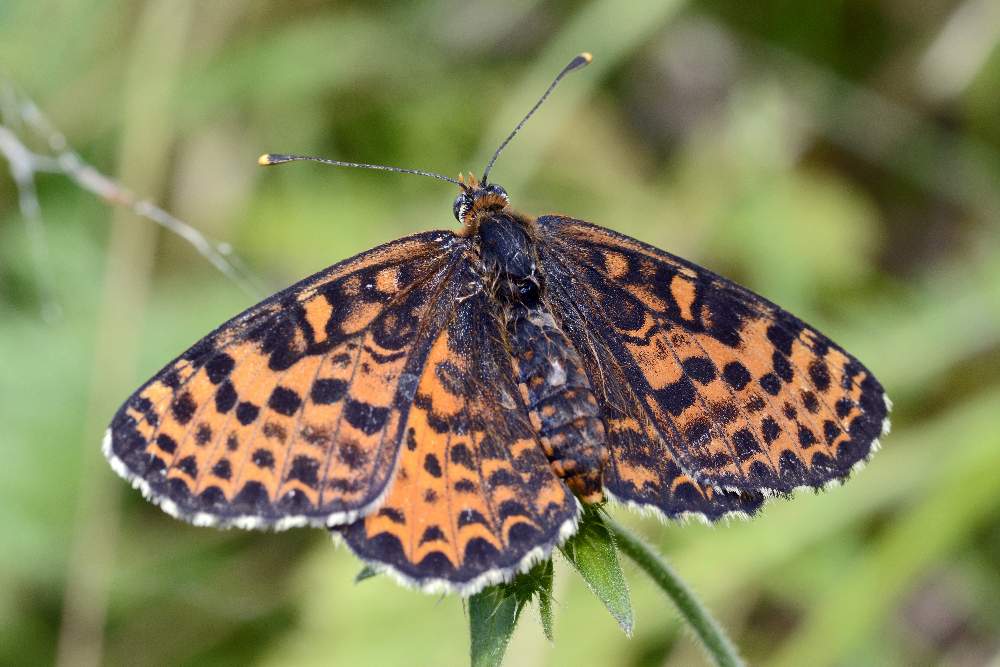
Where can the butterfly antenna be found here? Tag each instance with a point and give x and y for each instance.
(268, 159)
(581, 60)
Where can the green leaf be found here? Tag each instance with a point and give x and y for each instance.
(545, 599)
(494, 612)
(493, 615)
(593, 553)
(367, 572)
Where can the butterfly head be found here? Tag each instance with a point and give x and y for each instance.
(477, 199)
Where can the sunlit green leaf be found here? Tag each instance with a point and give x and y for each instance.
(493, 615)
(494, 612)
(545, 600)
(367, 572)
(593, 553)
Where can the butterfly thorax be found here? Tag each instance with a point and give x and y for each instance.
(553, 384)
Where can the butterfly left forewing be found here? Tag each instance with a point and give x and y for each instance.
(745, 395)
(290, 413)
(474, 499)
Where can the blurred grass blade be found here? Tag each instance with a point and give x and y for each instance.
(593, 553)
(945, 514)
(545, 599)
(493, 615)
(710, 634)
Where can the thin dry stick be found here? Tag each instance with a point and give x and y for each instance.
(25, 163)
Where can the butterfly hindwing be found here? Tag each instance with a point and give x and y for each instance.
(641, 468)
(291, 413)
(474, 499)
(744, 395)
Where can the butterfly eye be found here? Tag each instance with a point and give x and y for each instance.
(497, 190)
(458, 208)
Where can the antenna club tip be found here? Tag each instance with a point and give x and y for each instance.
(268, 159)
(587, 57)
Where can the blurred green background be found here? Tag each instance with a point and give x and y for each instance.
(842, 158)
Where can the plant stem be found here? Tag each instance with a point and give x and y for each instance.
(707, 629)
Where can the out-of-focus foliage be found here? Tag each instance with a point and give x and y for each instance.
(841, 158)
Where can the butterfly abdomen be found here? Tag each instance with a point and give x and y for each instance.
(561, 405)
(562, 408)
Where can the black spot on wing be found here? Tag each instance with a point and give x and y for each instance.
(771, 429)
(327, 391)
(700, 369)
(736, 375)
(677, 396)
(819, 374)
(781, 337)
(460, 455)
(247, 412)
(262, 458)
(203, 434)
(432, 534)
(222, 469)
(393, 514)
(166, 443)
(305, 469)
(782, 366)
(219, 367)
(771, 384)
(188, 465)
(746, 444)
(432, 466)
(225, 397)
(367, 418)
(284, 401)
(183, 408)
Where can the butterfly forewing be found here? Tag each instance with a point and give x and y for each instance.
(474, 498)
(741, 394)
(291, 413)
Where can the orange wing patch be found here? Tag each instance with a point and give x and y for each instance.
(291, 413)
(474, 499)
(744, 395)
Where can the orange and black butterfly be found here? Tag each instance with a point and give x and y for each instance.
(446, 402)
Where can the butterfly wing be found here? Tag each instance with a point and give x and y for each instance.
(642, 470)
(292, 412)
(474, 499)
(741, 394)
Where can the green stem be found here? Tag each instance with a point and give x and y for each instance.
(708, 630)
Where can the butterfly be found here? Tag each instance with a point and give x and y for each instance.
(446, 402)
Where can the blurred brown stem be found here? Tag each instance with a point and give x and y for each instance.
(157, 52)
